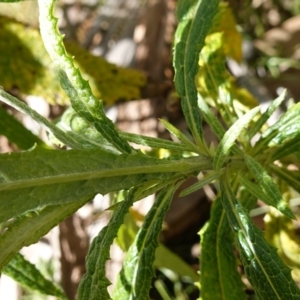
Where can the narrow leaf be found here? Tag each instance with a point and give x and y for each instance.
(210, 118)
(287, 127)
(220, 279)
(195, 20)
(230, 136)
(266, 115)
(165, 258)
(182, 138)
(71, 121)
(292, 178)
(16, 132)
(94, 283)
(28, 228)
(29, 276)
(269, 276)
(256, 191)
(25, 109)
(208, 178)
(134, 280)
(78, 89)
(268, 186)
(290, 147)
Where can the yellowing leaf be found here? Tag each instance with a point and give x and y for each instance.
(26, 68)
(225, 22)
(280, 232)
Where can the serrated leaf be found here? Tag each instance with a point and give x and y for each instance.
(134, 280)
(16, 132)
(28, 228)
(266, 115)
(230, 136)
(48, 177)
(269, 276)
(268, 186)
(164, 258)
(207, 179)
(219, 277)
(94, 283)
(39, 187)
(195, 20)
(29, 276)
(77, 88)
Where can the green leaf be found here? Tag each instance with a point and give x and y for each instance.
(195, 20)
(94, 283)
(134, 280)
(287, 148)
(165, 258)
(266, 115)
(22, 107)
(268, 186)
(286, 128)
(182, 138)
(71, 121)
(219, 277)
(210, 118)
(40, 187)
(208, 178)
(230, 136)
(29, 276)
(256, 191)
(16, 132)
(57, 166)
(42, 177)
(78, 90)
(269, 276)
(292, 178)
(29, 227)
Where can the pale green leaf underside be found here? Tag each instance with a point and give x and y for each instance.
(219, 277)
(134, 280)
(269, 276)
(29, 276)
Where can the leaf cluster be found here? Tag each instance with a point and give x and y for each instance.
(42, 186)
